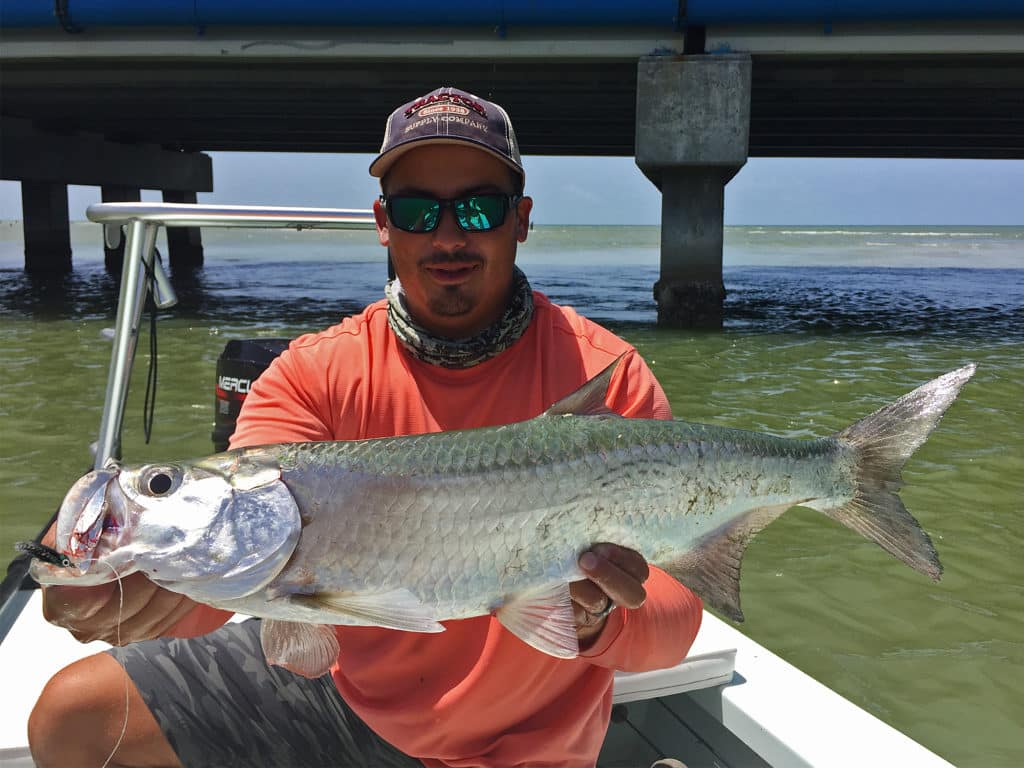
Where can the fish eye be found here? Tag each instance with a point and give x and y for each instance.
(158, 481)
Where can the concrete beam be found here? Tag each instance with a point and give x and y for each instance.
(690, 292)
(30, 153)
(692, 135)
(184, 243)
(692, 111)
(44, 212)
(46, 161)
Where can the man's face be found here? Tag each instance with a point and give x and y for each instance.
(456, 283)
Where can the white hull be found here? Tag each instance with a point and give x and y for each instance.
(730, 703)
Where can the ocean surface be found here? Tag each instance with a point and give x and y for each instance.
(824, 325)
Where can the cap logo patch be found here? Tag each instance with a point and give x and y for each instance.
(435, 109)
(449, 99)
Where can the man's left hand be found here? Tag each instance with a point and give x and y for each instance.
(615, 577)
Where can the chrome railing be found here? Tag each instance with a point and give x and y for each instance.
(142, 222)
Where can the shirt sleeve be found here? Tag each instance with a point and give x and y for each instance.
(656, 635)
(635, 393)
(285, 405)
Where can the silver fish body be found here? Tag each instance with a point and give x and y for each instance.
(465, 519)
(410, 531)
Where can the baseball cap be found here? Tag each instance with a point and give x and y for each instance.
(449, 116)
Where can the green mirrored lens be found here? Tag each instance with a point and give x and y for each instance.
(475, 213)
(480, 212)
(414, 214)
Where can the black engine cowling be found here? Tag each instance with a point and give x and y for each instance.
(239, 365)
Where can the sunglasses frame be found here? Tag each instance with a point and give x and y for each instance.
(510, 200)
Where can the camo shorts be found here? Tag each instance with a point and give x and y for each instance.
(220, 705)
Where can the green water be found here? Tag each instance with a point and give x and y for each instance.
(942, 662)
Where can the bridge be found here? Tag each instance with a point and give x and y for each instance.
(128, 96)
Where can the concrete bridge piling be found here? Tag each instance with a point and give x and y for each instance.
(46, 161)
(692, 133)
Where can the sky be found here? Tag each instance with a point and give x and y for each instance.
(588, 190)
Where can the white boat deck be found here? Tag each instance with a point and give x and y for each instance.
(730, 703)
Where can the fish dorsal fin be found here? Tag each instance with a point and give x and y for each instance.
(305, 649)
(543, 618)
(712, 568)
(588, 400)
(395, 609)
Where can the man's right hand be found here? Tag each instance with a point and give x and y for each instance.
(101, 612)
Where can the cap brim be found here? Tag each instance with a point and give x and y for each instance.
(383, 162)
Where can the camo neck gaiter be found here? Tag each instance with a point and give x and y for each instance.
(461, 353)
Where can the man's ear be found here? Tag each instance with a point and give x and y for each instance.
(381, 215)
(523, 218)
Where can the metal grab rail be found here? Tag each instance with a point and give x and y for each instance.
(257, 216)
(143, 222)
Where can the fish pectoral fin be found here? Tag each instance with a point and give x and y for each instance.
(543, 619)
(395, 609)
(300, 581)
(588, 400)
(712, 569)
(305, 649)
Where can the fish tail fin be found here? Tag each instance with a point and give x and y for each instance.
(883, 442)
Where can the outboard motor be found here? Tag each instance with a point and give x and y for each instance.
(239, 365)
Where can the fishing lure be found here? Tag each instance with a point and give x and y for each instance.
(44, 553)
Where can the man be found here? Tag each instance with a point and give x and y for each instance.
(460, 341)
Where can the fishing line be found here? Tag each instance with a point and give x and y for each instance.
(127, 689)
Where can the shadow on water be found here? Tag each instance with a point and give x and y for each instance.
(82, 294)
(314, 294)
(960, 302)
(967, 303)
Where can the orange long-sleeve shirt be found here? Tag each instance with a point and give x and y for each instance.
(474, 695)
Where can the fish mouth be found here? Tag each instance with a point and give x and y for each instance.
(85, 514)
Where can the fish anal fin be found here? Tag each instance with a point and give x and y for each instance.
(543, 618)
(712, 569)
(588, 400)
(394, 609)
(305, 649)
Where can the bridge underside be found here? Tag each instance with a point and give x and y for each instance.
(143, 120)
(965, 106)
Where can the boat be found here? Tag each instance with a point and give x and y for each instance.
(731, 703)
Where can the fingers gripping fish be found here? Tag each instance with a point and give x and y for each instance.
(409, 532)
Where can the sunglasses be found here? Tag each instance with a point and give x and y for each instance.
(473, 213)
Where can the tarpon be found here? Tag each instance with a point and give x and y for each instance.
(408, 532)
